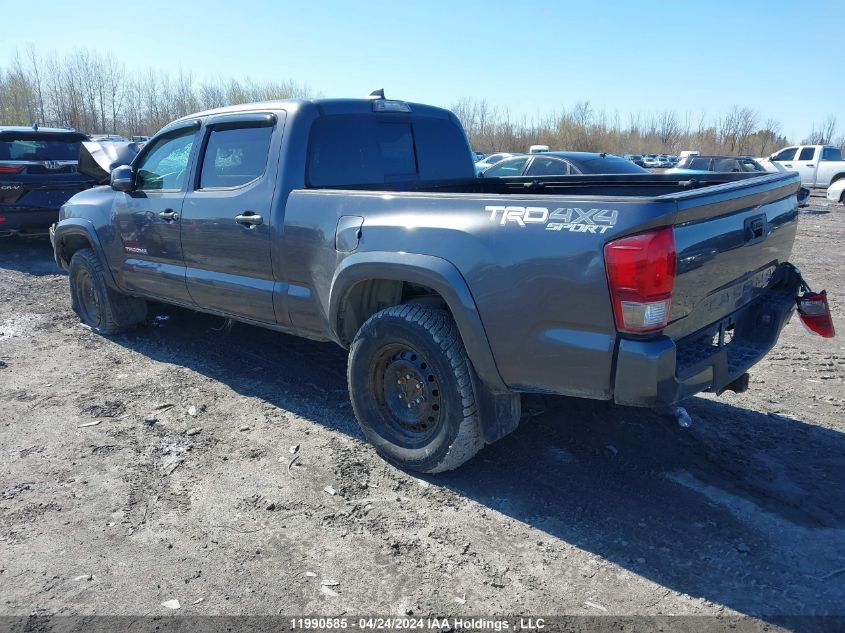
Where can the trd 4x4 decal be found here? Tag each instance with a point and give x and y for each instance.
(574, 220)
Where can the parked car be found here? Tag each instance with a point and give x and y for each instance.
(819, 165)
(338, 220)
(38, 174)
(477, 156)
(650, 160)
(562, 164)
(538, 149)
(703, 164)
(836, 191)
(107, 137)
(490, 160)
(637, 159)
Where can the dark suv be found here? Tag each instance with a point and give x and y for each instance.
(38, 174)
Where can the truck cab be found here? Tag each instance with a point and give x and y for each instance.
(818, 165)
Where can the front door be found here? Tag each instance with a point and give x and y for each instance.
(148, 218)
(226, 218)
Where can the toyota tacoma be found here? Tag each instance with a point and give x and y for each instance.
(361, 221)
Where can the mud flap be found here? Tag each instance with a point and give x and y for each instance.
(498, 412)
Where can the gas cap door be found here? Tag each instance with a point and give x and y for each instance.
(348, 233)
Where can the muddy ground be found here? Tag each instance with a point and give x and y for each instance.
(588, 508)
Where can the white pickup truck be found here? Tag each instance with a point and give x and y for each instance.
(819, 165)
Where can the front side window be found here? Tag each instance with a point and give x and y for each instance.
(786, 154)
(235, 156)
(831, 153)
(164, 166)
(698, 164)
(512, 167)
(807, 153)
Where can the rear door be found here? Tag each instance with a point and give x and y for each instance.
(226, 219)
(147, 218)
(806, 164)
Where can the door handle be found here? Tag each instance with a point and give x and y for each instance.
(810, 165)
(787, 164)
(169, 215)
(249, 218)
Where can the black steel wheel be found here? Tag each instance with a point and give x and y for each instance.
(412, 389)
(104, 310)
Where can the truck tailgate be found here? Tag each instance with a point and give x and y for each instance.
(730, 241)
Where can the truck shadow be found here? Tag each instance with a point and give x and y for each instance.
(744, 509)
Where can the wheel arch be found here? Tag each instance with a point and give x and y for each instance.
(364, 281)
(69, 236)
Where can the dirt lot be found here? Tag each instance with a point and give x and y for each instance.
(587, 509)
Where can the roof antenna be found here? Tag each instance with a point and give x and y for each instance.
(377, 94)
(35, 126)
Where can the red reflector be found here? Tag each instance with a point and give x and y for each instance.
(815, 313)
(11, 169)
(2, 219)
(641, 275)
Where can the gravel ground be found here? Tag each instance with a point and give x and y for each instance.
(188, 461)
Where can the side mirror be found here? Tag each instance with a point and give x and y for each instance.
(123, 178)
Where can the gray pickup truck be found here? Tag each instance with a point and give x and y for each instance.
(362, 222)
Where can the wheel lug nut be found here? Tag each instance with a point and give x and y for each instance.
(407, 376)
(401, 395)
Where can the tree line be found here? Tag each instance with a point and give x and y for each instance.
(741, 130)
(94, 93)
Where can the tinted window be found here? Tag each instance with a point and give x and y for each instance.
(725, 164)
(607, 165)
(507, 167)
(747, 164)
(34, 147)
(165, 165)
(547, 167)
(786, 154)
(807, 153)
(699, 164)
(831, 153)
(367, 149)
(235, 156)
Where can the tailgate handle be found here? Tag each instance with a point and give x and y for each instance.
(755, 228)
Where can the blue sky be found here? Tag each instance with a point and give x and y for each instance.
(782, 58)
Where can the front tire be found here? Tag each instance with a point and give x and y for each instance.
(412, 389)
(104, 310)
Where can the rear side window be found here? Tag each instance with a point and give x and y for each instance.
(831, 153)
(547, 167)
(367, 149)
(507, 167)
(807, 153)
(700, 164)
(725, 164)
(33, 147)
(235, 156)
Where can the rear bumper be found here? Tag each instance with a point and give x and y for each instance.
(661, 372)
(27, 221)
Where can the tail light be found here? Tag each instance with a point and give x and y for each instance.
(815, 313)
(641, 276)
(11, 169)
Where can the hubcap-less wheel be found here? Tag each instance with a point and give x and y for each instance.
(408, 395)
(89, 305)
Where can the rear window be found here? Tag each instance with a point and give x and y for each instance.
(35, 147)
(368, 149)
(608, 165)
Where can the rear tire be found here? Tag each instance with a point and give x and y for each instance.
(412, 389)
(104, 310)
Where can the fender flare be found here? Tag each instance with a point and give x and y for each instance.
(426, 270)
(85, 229)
